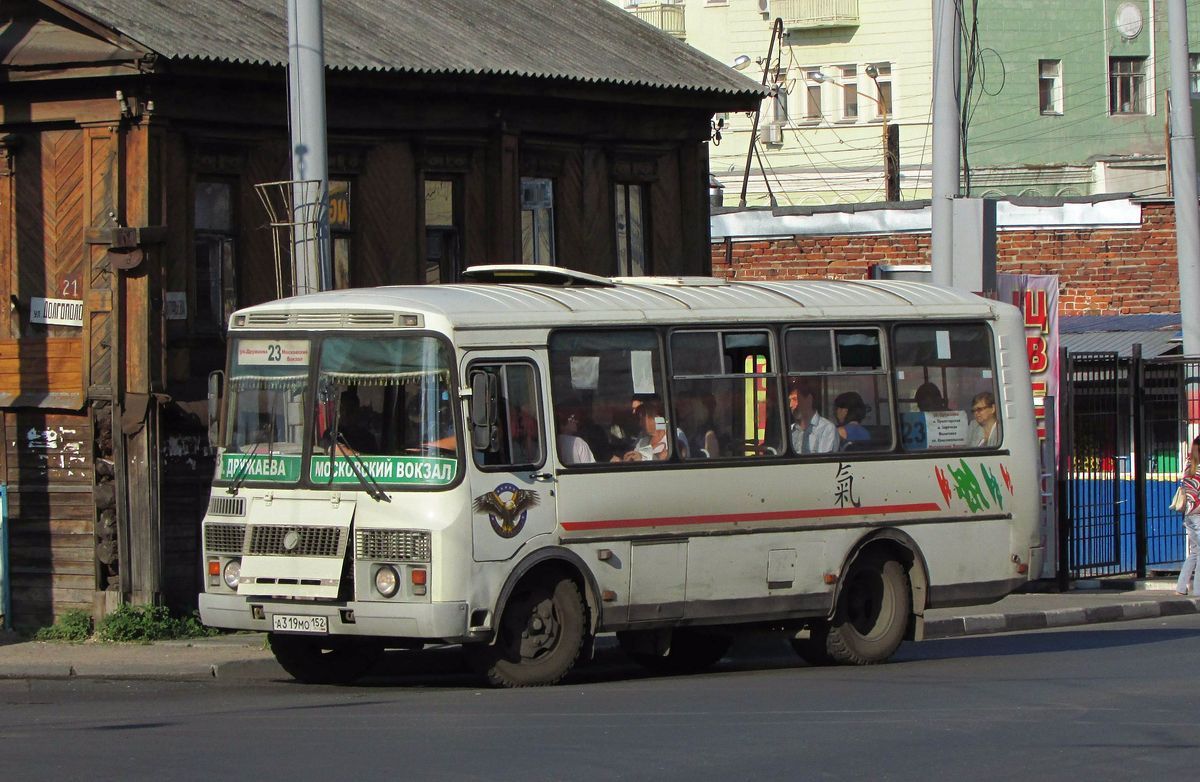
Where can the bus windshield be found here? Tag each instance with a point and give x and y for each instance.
(382, 412)
(268, 389)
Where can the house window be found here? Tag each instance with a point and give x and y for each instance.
(631, 229)
(441, 230)
(339, 231)
(849, 86)
(537, 220)
(216, 285)
(1126, 79)
(812, 95)
(883, 90)
(1050, 86)
(1194, 74)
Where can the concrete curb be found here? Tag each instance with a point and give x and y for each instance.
(987, 624)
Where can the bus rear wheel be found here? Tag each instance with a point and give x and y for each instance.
(324, 660)
(872, 613)
(539, 638)
(692, 651)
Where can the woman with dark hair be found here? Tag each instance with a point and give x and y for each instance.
(929, 398)
(849, 410)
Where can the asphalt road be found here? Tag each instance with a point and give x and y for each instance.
(1118, 701)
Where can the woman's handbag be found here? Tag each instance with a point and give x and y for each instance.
(1179, 501)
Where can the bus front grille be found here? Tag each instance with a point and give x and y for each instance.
(392, 544)
(226, 506)
(307, 541)
(224, 538)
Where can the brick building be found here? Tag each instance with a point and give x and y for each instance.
(1114, 257)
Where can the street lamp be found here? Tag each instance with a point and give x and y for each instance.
(891, 173)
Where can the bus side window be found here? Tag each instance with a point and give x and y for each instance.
(725, 387)
(943, 373)
(517, 440)
(847, 368)
(603, 377)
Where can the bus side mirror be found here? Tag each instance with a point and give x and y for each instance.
(483, 410)
(216, 384)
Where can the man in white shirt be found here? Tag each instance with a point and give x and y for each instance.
(810, 431)
(572, 449)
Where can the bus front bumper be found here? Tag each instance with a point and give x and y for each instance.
(426, 621)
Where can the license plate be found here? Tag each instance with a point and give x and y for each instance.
(299, 624)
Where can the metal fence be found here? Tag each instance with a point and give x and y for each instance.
(1127, 423)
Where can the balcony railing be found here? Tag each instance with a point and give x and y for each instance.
(667, 17)
(813, 14)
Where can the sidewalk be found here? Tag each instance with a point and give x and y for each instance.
(245, 656)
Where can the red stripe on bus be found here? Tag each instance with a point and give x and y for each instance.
(734, 518)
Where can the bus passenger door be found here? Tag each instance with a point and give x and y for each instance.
(512, 486)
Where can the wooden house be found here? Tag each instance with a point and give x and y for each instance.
(132, 135)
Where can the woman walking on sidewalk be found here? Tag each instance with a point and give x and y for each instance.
(1190, 483)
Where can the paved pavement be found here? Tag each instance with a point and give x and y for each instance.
(245, 655)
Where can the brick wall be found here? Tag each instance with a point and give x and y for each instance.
(1101, 271)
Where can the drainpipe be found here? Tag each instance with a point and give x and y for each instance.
(5, 592)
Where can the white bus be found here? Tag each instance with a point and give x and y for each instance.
(537, 456)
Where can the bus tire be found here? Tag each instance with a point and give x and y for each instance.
(873, 611)
(324, 660)
(540, 635)
(692, 651)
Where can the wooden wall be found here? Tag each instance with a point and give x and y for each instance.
(49, 472)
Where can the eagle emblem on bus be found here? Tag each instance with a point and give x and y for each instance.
(507, 507)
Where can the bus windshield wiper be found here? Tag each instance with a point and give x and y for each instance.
(359, 468)
(243, 470)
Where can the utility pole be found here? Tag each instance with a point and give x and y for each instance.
(947, 140)
(891, 141)
(311, 266)
(751, 148)
(1183, 175)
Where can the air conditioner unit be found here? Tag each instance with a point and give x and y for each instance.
(764, 6)
(771, 134)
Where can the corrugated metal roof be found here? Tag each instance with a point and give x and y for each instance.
(1154, 343)
(494, 305)
(1074, 324)
(1158, 334)
(580, 40)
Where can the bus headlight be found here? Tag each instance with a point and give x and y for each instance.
(232, 572)
(387, 580)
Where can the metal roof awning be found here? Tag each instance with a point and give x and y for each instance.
(1159, 335)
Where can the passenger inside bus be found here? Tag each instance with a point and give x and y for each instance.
(696, 414)
(653, 444)
(984, 431)
(929, 398)
(810, 431)
(572, 449)
(849, 412)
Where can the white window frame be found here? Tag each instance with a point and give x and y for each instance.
(883, 83)
(1052, 81)
(848, 93)
(1131, 82)
(813, 112)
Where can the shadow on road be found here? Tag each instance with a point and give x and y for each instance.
(445, 667)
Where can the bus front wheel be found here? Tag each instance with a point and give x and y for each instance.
(872, 612)
(539, 638)
(324, 660)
